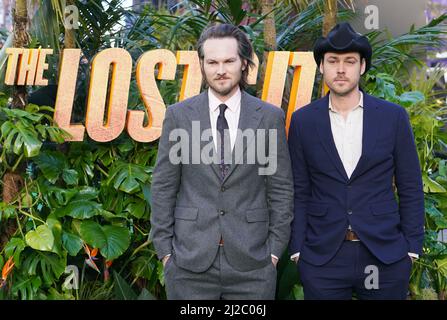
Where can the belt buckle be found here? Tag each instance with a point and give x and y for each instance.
(351, 236)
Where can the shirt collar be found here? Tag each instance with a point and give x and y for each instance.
(360, 104)
(233, 103)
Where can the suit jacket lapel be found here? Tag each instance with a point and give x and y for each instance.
(371, 123)
(323, 124)
(249, 118)
(202, 107)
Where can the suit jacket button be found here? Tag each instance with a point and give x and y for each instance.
(222, 212)
(222, 189)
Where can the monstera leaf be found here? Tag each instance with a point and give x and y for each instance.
(128, 177)
(82, 205)
(53, 164)
(112, 241)
(26, 287)
(23, 131)
(20, 138)
(47, 265)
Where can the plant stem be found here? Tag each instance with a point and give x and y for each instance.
(20, 226)
(143, 245)
(17, 163)
(31, 216)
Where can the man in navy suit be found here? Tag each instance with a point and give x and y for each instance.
(350, 234)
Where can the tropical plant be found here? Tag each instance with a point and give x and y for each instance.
(87, 204)
(401, 77)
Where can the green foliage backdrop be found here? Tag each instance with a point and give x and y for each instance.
(87, 204)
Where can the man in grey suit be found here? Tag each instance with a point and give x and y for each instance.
(222, 190)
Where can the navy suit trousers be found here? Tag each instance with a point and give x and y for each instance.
(355, 272)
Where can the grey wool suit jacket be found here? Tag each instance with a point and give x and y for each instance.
(192, 208)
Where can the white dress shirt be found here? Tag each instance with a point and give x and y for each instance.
(232, 114)
(348, 135)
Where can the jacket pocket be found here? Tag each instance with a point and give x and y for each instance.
(316, 209)
(257, 215)
(385, 207)
(184, 213)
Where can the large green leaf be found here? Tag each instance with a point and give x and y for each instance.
(410, 98)
(6, 211)
(56, 227)
(70, 176)
(144, 267)
(81, 206)
(26, 287)
(137, 209)
(436, 215)
(147, 193)
(442, 266)
(443, 168)
(40, 239)
(287, 278)
(6, 129)
(87, 193)
(431, 185)
(441, 201)
(81, 158)
(298, 292)
(29, 140)
(112, 241)
(145, 295)
(76, 226)
(46, 264)
(56, 197)
(53, 294)
(18, 114)
(79, 209)
(123, 291)
(127, 177)
(72, 243)
(51, 163)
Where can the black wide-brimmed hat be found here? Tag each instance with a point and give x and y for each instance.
(343, 38)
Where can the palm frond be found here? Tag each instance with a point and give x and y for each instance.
(58, 7)
(407, 47)
(299, 31)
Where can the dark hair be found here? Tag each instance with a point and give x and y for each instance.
(245, 49)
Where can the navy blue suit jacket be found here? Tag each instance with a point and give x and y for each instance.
(327, 201)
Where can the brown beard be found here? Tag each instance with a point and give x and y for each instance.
(206, 84)
(345, 93)
(223, 92)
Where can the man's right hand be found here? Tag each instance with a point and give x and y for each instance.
(296, 259)
(165, 260)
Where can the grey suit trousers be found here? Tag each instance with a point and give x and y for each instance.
(220, 281)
